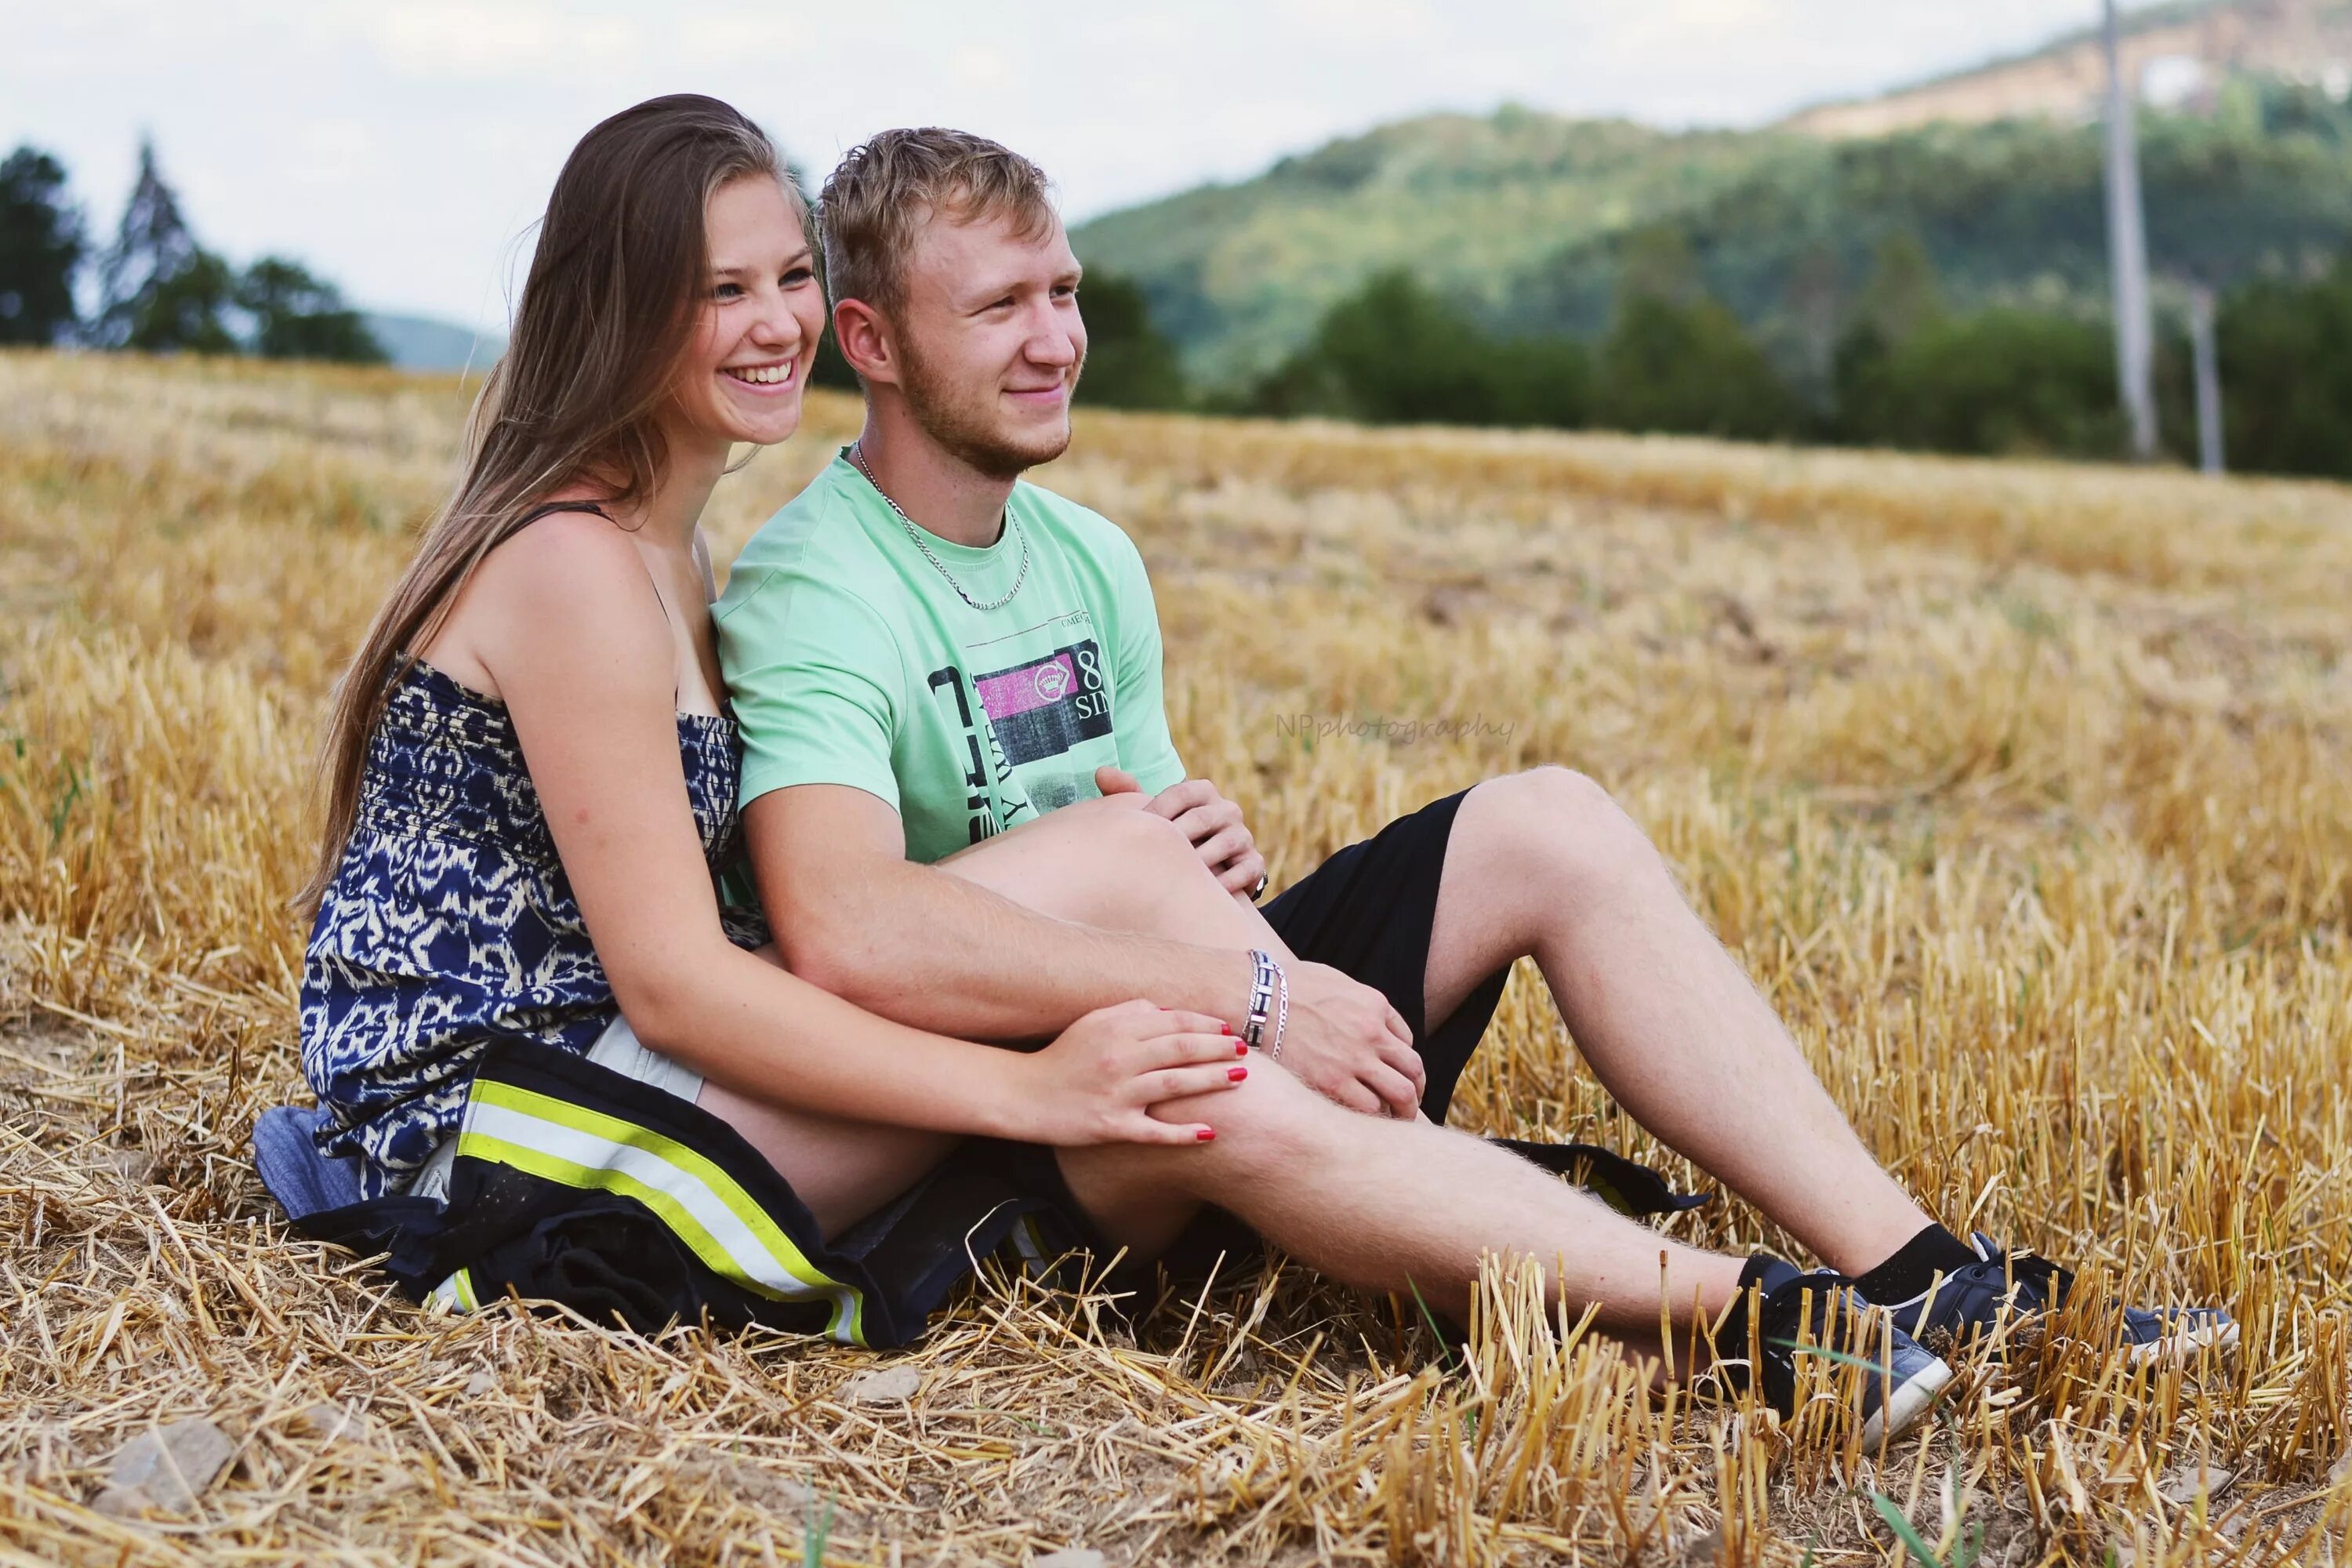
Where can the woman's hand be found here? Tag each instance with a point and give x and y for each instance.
(1098, 1079)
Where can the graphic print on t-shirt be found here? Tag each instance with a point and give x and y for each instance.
(1041, 696)
(1045, 707)
(946, 687)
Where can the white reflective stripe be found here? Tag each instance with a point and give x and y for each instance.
(455, 1293)
(756, 1262)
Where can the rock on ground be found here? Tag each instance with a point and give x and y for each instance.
(886, 1386)
(167, 1468)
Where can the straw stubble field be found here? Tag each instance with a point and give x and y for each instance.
(2025, 793)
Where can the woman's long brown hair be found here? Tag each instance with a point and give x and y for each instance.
(607, 313)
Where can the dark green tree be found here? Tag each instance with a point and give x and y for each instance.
(1655, 261)
(1128, 363)
(1688, 369)
(1543, 381)
(1395, 352)
(185, 310)
(1902, 294)
(2286, 352)
(158, 290)
(2003, 382)
(1901, 297)
(1812, 305)
(1390, 353)
(298, 316)
(41, 249)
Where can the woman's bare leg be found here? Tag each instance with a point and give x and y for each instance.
(842, 1170)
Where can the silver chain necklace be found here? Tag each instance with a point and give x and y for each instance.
(857, 456)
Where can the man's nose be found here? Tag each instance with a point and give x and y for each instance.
(1053, 345)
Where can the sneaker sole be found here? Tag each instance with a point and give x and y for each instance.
(1905, 1404)
(2181, 1347)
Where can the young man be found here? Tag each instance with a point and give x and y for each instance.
(932, 662)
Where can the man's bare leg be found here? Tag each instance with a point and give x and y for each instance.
(1544, 863)
(1672, 1027)
(1390, 1205)
(1377, 1203)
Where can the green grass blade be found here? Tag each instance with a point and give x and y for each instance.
(1913, 1541)
(817, 1532)
(1445, 1347)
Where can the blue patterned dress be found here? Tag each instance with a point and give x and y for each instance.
(451, 924)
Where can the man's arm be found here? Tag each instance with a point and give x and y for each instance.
(938, 951)
(818, 682)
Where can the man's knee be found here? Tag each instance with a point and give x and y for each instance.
(1091, 861)
(1134, 861)
(1558, 818)
(1267, 1127)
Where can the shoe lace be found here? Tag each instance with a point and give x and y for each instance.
(2036, 1280)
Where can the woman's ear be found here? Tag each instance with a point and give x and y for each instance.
(865, 341)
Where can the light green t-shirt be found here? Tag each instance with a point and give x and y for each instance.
(851, 660)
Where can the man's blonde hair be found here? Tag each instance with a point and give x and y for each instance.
(878, 201)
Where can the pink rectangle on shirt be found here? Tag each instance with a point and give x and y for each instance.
(1038, 685)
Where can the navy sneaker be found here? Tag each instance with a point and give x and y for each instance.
(1782, 1316)
(2002, 1292)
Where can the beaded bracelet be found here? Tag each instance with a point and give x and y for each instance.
(1261, 1002)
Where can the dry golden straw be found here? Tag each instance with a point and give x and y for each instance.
(2024, 792)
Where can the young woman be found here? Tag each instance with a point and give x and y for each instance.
(531, 784)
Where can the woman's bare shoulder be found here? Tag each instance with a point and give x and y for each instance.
(560, 581)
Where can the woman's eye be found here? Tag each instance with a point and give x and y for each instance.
(726, 291)
(798, 276)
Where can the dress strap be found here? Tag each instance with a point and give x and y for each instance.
(550, 509)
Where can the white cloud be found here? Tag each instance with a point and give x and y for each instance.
(445, 39)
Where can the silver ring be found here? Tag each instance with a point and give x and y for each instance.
(1259, 891)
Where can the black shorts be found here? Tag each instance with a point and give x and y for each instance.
(1368, 911)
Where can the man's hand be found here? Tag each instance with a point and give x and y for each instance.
(1346, 1041)
(1210, 823)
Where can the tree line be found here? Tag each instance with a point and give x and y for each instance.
(1891, 365)
(159, 290)
(1900, 368)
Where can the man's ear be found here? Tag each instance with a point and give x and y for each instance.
(865, 341)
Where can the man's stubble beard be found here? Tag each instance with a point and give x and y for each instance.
(963, 428)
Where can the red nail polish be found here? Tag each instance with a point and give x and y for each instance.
(1241, 1048)
(1206, 1134)
(1224, 1029)
(1237, 1074)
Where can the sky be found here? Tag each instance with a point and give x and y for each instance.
(403, 147)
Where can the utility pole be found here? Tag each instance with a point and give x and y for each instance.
(2208, 379)
(2128, 253)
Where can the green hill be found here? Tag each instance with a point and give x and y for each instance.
(1526, 218)
(1239, 274)
(423, 343)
